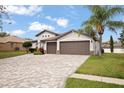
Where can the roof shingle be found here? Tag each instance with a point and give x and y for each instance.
(11, 39)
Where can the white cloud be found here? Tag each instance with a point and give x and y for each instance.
(24, 10)
(8, 21)
(36, 26)
(51, 18)
(62, 22)
(17, 32)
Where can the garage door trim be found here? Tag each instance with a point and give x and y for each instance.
(85, 49)
(53, 50)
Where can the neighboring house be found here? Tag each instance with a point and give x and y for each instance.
(117, 47)
(68, 43)
(11, 43)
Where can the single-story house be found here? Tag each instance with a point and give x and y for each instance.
(67, 43)
(11, 43)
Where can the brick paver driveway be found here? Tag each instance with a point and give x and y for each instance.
(38, 70)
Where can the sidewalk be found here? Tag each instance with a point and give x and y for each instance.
(98, 78)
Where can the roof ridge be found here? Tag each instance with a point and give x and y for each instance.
(46, 31)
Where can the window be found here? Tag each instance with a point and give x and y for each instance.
(17, 49)
(48, 35)
(12, 44)
(42, 35)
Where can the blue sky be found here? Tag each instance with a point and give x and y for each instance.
(27, 21)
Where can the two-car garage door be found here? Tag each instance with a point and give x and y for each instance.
(70, 47)
(75, 47)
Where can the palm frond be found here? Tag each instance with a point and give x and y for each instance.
(115, 24)
(113, 11)
(95, 8)
(89, 31)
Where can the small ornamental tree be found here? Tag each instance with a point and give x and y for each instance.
(27, 45)
(111, 44)
(3, 34)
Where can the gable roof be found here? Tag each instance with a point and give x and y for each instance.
(57, 37)
(66, 33)
(62, 35)
(46, 31)
(11, 39)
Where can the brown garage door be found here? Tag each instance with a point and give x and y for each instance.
(51, 47)
(75, 47)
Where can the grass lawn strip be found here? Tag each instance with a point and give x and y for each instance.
(11, 54)
(108, 65)
(83, 83)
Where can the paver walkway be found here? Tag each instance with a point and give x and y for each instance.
(44, 71)
(99, 78)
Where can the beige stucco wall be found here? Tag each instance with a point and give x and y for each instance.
(42, 36)
(75, 37)
(34, 45)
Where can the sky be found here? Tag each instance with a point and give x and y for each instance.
(27, 21)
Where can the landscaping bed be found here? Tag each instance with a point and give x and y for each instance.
(110, 65)
(82, 83)
(37, 53)
(8, 54)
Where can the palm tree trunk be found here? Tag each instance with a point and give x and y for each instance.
(100, 44)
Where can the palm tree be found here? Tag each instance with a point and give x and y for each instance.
(102, 17)
(91, 32)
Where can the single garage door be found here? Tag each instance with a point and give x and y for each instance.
(51, 47)
(75, 47)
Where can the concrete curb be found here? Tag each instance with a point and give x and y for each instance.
(99, 78)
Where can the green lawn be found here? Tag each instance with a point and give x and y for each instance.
(11, 54)
(111, 65)
(82, 83)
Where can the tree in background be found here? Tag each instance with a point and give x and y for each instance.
(27, 45)
(89, 31)
(3, 34)
(3, 12)
(111, 44)
(122, 38)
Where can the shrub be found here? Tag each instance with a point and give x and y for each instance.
(27, 45)
(37, 53)
(41, 50)
(32, 50)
